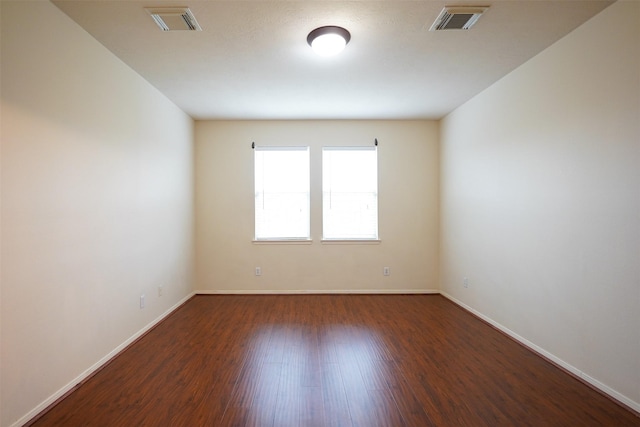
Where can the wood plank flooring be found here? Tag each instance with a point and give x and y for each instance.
(330, 360)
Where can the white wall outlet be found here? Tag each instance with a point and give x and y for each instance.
(160, 291)
(465, 282)
(142, 301)
(386, 271)
(258, 271)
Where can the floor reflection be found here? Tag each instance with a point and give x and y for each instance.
(309, 375)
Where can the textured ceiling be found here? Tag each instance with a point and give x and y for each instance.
(252, 61)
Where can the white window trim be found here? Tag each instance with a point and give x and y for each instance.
(285, 240)
(355, 240)
(282, 242)
(351, 241)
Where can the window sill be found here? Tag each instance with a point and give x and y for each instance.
(283, 242)
(351, 241)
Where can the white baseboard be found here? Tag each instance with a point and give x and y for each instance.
(542, 352)
(312, 291)
(87, 373)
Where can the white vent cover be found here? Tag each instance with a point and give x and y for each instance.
(458, 18)
(174, 18)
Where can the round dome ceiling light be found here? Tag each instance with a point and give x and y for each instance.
(328, 41)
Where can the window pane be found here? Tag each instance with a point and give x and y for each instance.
(350, 193)
(282, 193)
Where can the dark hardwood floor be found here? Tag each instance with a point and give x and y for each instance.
(330, 360)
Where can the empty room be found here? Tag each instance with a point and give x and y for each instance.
(207, 220)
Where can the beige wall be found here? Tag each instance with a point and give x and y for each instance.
(408, 210)
(541, 202)
(97, 205)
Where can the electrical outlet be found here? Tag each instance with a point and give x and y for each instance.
(258, 271)
(159, 291)
(465, 282)
(386, 271)
(142, 301)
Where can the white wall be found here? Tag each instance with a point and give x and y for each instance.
(408, 210)
(97, 205)
(541, 202)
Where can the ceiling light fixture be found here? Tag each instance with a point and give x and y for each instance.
(329, 40)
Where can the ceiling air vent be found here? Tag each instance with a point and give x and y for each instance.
(174, 18)
(458, 18)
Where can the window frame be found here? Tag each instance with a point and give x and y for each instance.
(283, 239)
(358, 239)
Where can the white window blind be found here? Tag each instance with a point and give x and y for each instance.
(281, 193)
(350, 193)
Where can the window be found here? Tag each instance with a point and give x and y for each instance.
(281, 193)
(350, 193)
